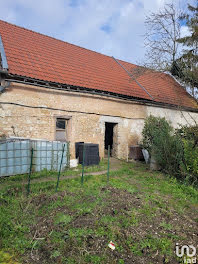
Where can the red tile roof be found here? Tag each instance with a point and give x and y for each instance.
(37, 56)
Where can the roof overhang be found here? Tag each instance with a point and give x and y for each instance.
(71, 88)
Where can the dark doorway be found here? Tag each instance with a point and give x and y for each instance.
(110, 137)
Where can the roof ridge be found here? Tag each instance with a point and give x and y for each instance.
(61, 40)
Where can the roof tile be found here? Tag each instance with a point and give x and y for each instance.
(34, 55)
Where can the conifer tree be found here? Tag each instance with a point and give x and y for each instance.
(186, 67)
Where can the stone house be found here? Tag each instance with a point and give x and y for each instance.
(54, 90)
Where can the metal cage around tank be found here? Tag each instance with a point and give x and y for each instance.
(15, 156)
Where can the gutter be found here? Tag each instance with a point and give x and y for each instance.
(70, 88)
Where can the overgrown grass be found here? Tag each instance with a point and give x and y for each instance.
(144, 213)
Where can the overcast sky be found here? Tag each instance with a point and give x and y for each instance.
(112, 27)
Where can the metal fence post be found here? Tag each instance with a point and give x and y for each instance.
(82, 178)
(58, 179)
(30, 172)
(68, 154)
(108, 163)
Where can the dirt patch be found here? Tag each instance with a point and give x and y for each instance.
(84, 220)
(120, 200)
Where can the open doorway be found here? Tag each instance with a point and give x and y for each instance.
(111, 138)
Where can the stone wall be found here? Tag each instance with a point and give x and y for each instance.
(37, 109)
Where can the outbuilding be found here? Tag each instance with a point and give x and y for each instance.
(53, 90)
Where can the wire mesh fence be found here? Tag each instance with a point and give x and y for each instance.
(15, 156)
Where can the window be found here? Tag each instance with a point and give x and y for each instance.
(60, 123)
(61, 128)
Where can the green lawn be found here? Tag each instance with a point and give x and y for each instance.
(144, 213)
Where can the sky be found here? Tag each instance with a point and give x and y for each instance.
(111, 27)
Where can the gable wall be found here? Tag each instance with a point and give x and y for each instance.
(88, 127)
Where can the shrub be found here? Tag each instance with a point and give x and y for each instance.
(176, 152)
(168, 153)
(161, 142)
(189, 136)
(153, 128)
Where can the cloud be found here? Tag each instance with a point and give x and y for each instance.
(112, 27)
(185, 31)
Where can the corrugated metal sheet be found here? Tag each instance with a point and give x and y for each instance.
(3, 56)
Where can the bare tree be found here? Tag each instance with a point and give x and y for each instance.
(162, 32)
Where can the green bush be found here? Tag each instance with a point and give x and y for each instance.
(153, 128)
(189, 133)
(189, 137)
(161, 142)
(168, 153)
(176, 152)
